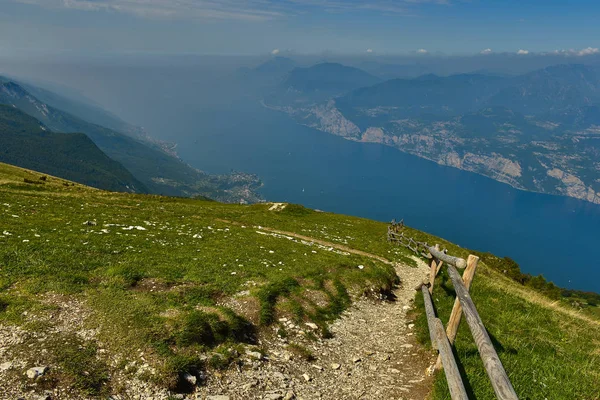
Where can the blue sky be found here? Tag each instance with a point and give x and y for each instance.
(300, 26)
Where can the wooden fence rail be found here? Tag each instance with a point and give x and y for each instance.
(443, 340)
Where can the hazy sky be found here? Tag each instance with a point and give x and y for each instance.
(300, 26)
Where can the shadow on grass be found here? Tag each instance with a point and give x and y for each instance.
(463, 375)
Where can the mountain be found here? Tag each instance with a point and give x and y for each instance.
(552, 89)
(539, 131)
(318, 83)
(393, 71)
(265, 77)
(330, 78)
(26, 142)
(83, 109)
(427, 94)
(277, 66)
(158, 170)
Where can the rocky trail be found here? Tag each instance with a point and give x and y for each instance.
(373, 353)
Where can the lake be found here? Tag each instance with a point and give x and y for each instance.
(549, 235)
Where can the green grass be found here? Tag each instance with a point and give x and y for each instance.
(547, 351)
(157, 272)
(168, 291)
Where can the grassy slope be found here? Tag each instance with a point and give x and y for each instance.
(159, 288)
(151, 289)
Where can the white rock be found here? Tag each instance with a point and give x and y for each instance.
(306, 377)
(335, 366)
(361, 267)
(289, 395)
(191, 379)
(254, 354)
(217, 397)
(312, 325)
(34, 372)
(5, 366)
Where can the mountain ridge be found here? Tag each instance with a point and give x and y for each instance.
(526, 131)
(25, 142)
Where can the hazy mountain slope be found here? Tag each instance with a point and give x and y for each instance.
(25, 142)
(426, 94)
(552, 89)
(159, 171)
(318, 83)
(329, 78)
(277, 66)
(86, 111)
(538, 132)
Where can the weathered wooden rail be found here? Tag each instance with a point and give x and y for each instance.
(442, 340)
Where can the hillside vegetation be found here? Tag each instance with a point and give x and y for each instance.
(25, 142)
(110, 288)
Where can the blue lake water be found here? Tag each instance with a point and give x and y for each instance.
(545, 234)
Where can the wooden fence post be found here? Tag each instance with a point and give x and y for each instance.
(436, 265)
(493, 366)
(455, 316)
(439, 340)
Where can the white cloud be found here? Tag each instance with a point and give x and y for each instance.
(422, 51)
(275, 51)
(369, 50)
(522, 52)
(486, 51)
(588, 51)
(252, 10)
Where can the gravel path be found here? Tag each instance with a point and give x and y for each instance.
(373, 355)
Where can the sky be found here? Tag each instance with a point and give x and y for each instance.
(245, 27)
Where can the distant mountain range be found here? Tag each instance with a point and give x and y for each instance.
(539, 131)
(154, 168)
(319, 83)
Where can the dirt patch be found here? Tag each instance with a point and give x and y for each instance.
(244, 305)
(151, 285)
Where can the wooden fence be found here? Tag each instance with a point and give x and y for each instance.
(442, 340)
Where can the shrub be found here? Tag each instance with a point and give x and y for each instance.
(296, 210)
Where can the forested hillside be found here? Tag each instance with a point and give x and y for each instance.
(26, 142)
